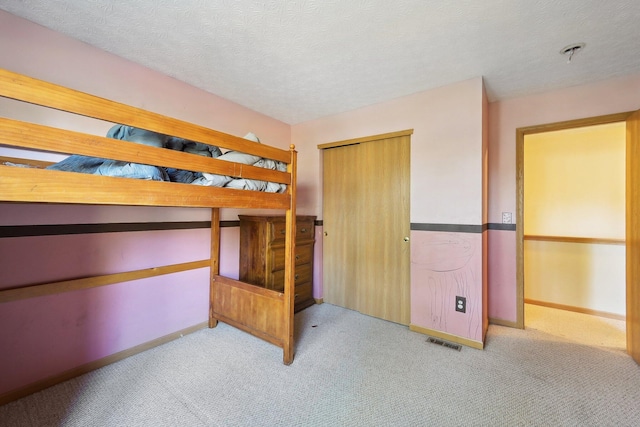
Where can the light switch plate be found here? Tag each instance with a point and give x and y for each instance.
(506, 217)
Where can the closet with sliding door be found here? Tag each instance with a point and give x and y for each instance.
(366, 248)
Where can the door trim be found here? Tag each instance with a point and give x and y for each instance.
(632, 232)
(520, 134)
(354, 141)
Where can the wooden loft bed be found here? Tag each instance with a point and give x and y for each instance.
(262, 312)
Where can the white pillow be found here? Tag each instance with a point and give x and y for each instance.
(213, 180)
(236, 156)
(247, 184)
(252, 137)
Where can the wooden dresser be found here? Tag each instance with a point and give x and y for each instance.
(262, 254)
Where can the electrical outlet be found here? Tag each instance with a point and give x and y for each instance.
(506, 218)
(461, 304)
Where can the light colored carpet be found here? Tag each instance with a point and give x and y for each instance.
(349, 370)
(577, 327)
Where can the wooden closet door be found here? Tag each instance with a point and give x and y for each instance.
(340, 211)
(366, 251)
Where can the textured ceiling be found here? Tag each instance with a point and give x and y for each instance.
(300, 60)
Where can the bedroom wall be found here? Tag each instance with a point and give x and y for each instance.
(46, 336)
(597, 99)
(447, 160)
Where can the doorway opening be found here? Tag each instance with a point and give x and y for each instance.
(563, 241)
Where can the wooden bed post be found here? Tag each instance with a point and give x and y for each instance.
(215, 261)
(290, 262)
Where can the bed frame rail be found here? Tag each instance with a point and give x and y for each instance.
(34, 91)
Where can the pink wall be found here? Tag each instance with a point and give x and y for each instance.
(597, 99)
(63, 332)
(45, 336)
(502, 275)
(446, 265)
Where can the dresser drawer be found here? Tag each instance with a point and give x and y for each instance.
(304, 292)
(303, 254)
(276, 280)
(304, 230)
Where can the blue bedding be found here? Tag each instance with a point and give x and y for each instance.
(97, 166)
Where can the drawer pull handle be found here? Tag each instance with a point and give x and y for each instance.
(296, 276)
(297, 256)
(283, 231)
(304, 230)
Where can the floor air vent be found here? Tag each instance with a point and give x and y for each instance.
(450, 345)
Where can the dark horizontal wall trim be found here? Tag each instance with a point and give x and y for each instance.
(505, 227)
(65, 229)
(223, 224)
(462, 228)
(452, 228)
